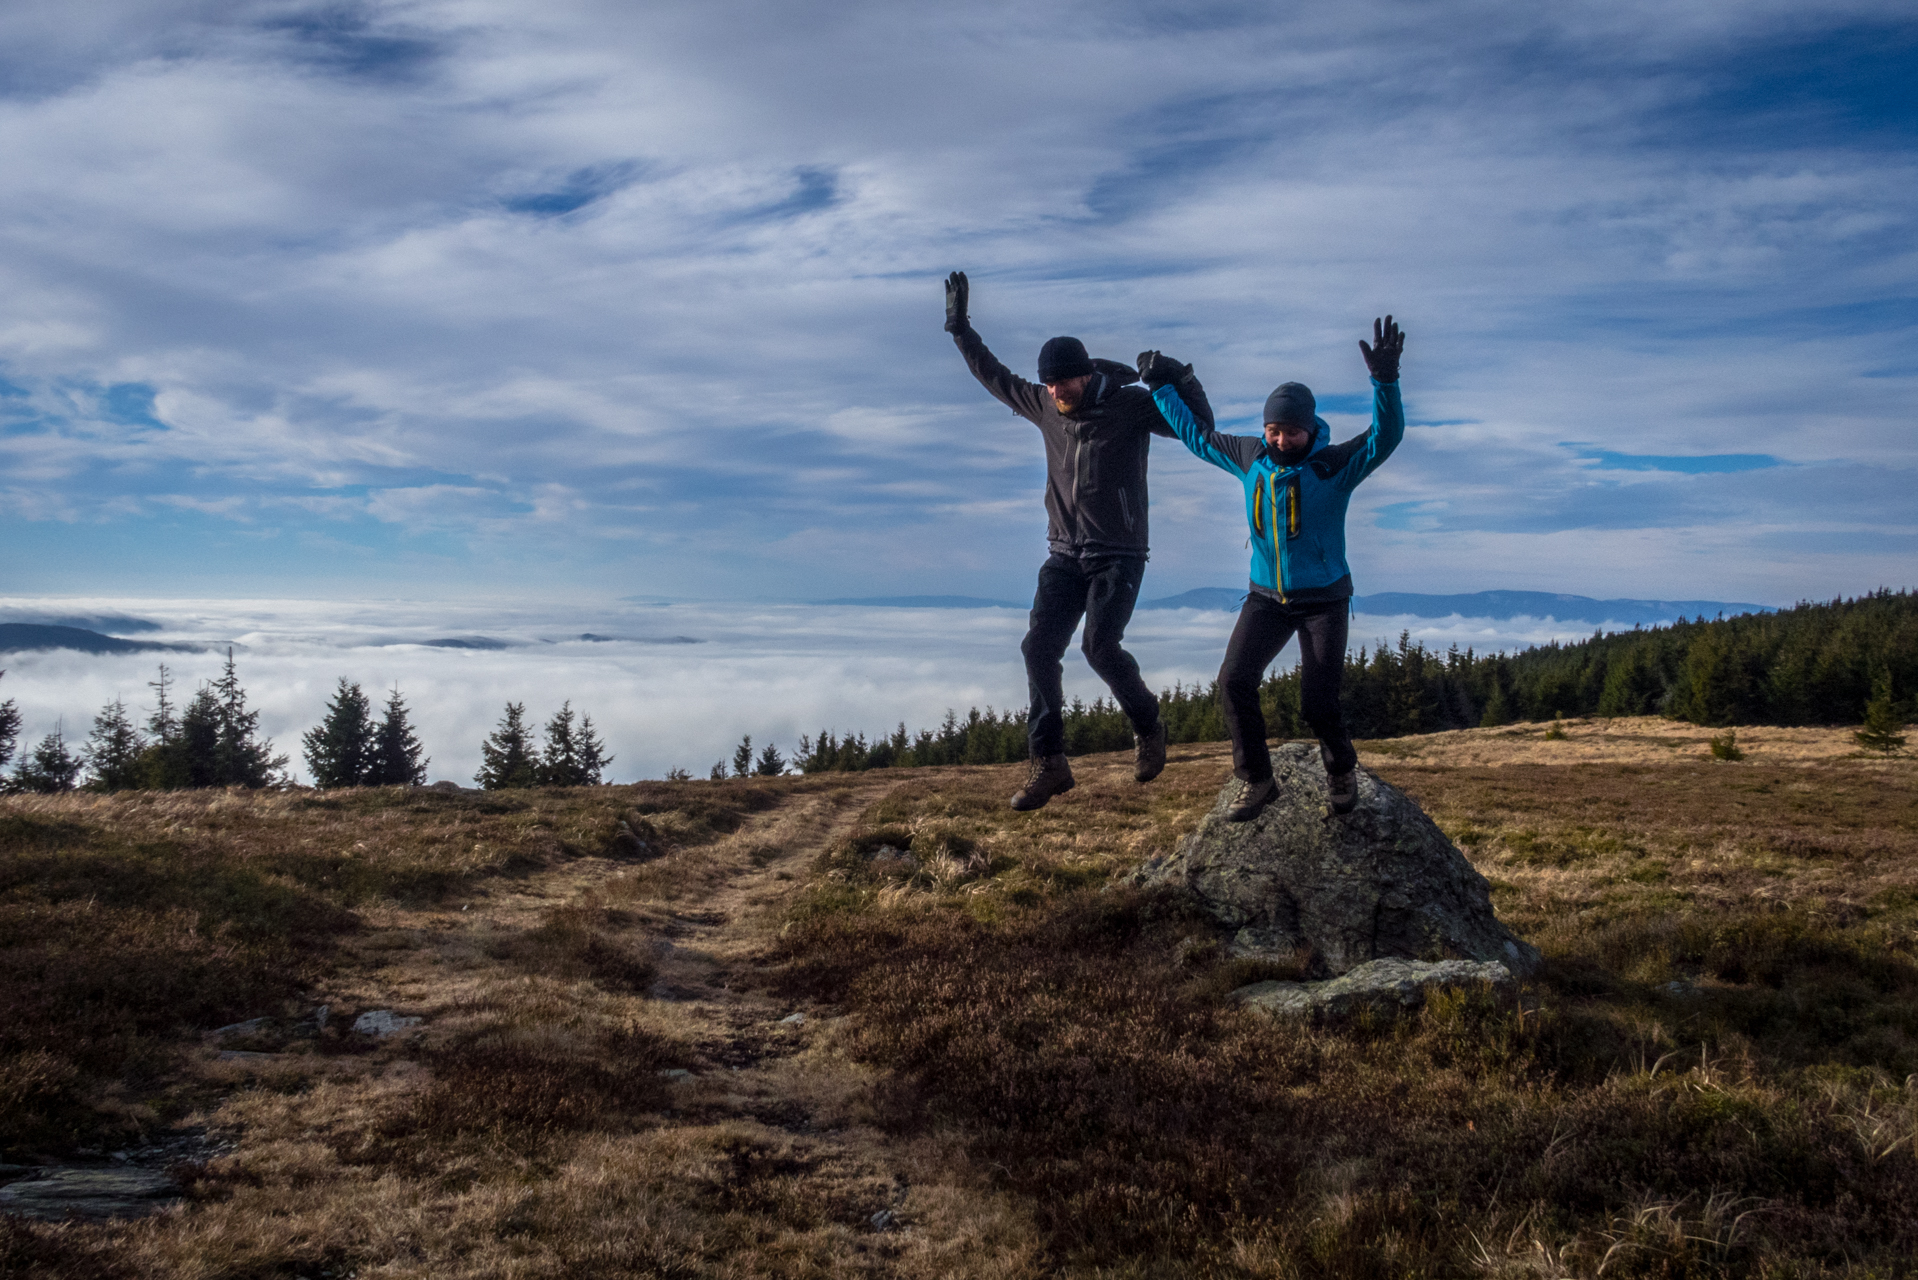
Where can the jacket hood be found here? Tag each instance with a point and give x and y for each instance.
(1107, 377)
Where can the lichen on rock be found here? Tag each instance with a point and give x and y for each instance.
(1382, 882)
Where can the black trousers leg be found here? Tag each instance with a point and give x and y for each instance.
(1112, 591)
(1263, 628)
(1057, 605)
(1322, 637)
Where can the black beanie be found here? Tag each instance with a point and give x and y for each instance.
(1291, 405)
(1063, 358)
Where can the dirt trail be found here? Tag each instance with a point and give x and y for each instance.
(710, 945)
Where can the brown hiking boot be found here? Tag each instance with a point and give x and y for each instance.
(1049, 776)
(1343, 790)
(1150, 762)
(1253, 796)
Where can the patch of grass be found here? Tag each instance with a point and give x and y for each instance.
(1037, 1069)
(574, 941)
(129, 924)
(1680, 1093)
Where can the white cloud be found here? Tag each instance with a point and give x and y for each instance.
(772, 671)
(318, 235)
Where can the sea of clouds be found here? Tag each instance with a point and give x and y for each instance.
(670, 685)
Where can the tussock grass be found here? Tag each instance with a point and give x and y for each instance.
(1032, 1070)
(131, 923)
(1713, 1076)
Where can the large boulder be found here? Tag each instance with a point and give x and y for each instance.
(1298, 881)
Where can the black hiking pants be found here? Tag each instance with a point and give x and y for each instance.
(1102, 590)
(1264, 627)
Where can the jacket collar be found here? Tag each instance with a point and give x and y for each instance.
(1097, 392)
(1321, 436)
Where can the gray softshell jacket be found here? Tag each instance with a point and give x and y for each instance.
(1095, 456)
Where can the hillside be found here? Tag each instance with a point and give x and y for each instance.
(745, 1036)
(18, 637)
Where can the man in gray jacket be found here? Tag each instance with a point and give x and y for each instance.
(1096, 430)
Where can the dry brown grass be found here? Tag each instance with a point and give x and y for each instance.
(599, 1087)
(1031, 1073)
(1644, 740)
(1616, 1123)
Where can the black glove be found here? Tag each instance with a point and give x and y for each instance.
(1382, 358)
(1157, 370)
(957, 292)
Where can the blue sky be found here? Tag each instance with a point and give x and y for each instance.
(594, 300)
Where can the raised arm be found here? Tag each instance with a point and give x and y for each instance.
(1365, 453)
(1024, 398)
(1171, 383)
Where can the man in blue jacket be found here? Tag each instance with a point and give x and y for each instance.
(1297, 484)
(1096, 428)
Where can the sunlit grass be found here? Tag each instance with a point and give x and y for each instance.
(1034, 1069)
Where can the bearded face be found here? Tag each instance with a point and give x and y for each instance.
(1069, 393)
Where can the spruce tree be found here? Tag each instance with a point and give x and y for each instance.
(1633, 685)
(771, 763)
(9, 729)
(241, 758)
(574, 755)
(398, 760)
(592, 754)
(49, 769)
(507, 757)
(743, 757)
(1498, 705)
(1882, 721)
(197, 745)
(163, 765)
(113, 750)
(339, 750)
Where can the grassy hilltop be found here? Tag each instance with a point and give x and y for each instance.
(1005, 1067)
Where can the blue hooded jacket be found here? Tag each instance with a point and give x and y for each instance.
(1296, 513)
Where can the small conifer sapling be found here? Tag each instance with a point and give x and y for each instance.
(1882, 720)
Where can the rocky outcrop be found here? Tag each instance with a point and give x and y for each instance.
(1386, 986)
(93, 1194)
(1300, 883)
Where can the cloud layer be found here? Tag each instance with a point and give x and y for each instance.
(773, 671)
(582, 299)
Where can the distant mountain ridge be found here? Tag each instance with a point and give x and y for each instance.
(105, 623)
(1492, 604)
(20, 637)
